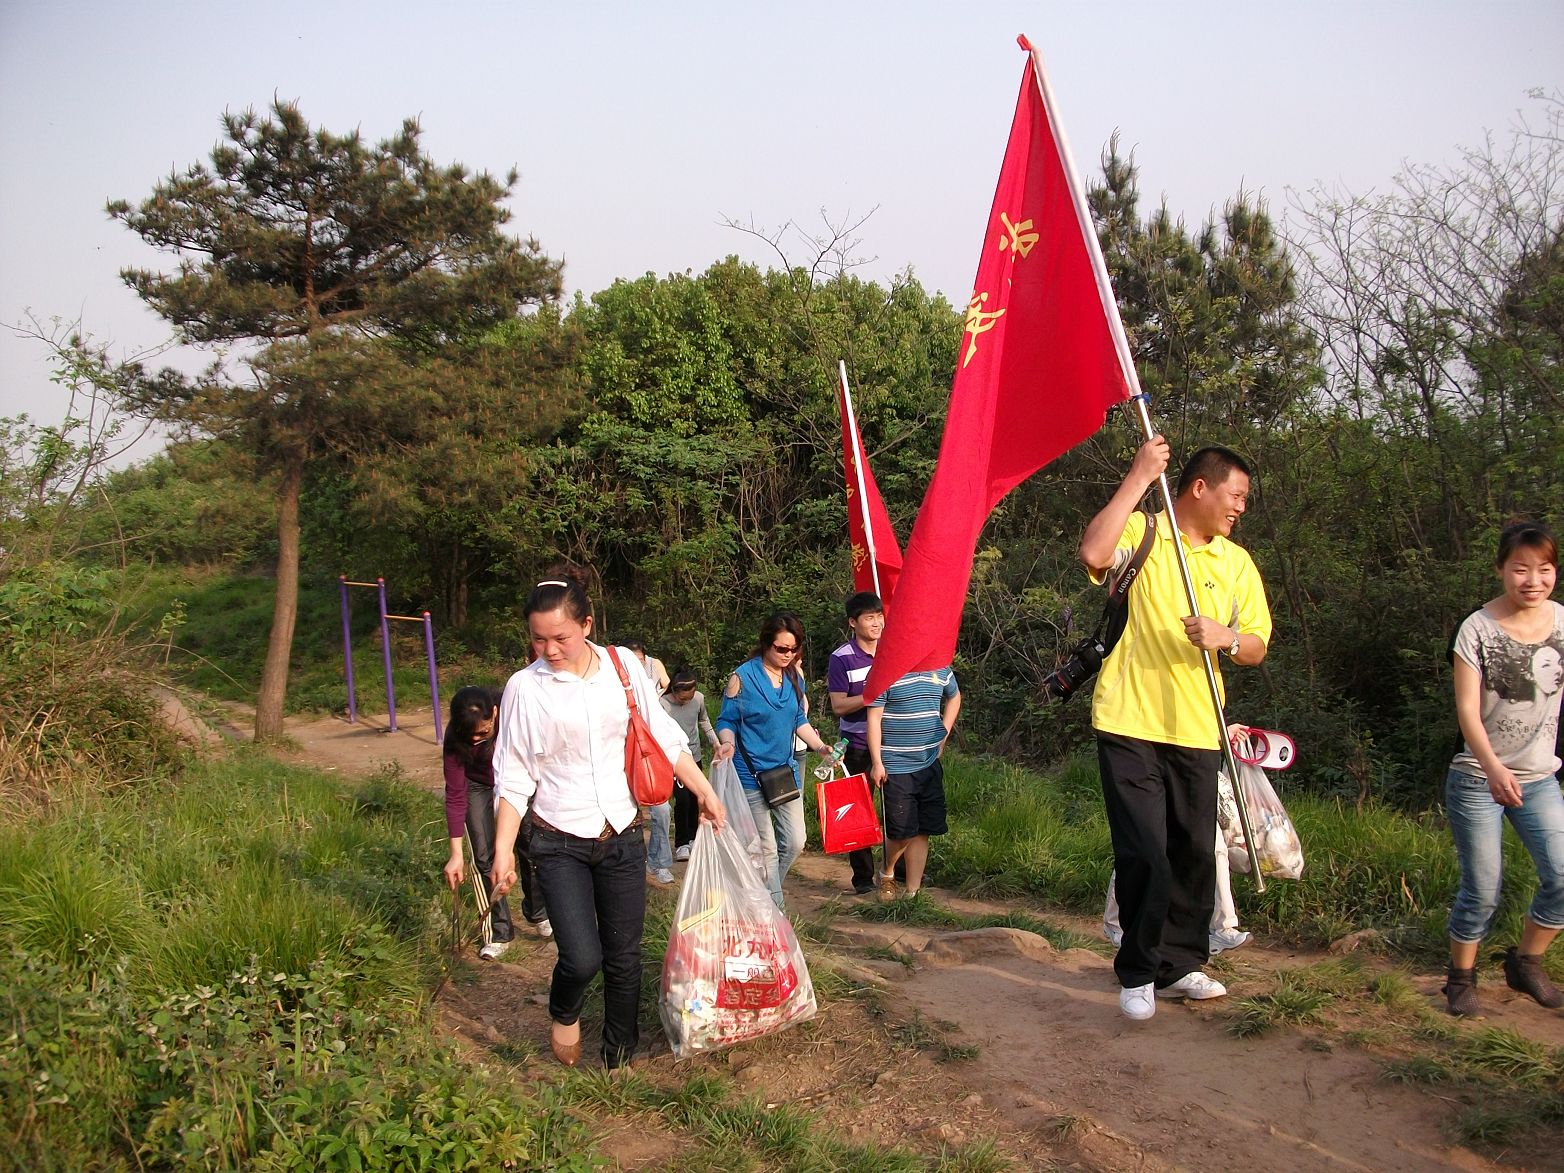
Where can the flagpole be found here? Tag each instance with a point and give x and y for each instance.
(874, 572)
(863, 493)
(1110, 308)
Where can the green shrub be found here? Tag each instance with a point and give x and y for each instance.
(80, 711)
(225, 974)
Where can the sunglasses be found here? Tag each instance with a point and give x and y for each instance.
(784, 649)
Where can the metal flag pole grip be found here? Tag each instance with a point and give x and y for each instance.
(1205, 657)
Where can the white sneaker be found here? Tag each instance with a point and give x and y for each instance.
(1196, 986)
(682, 855)
(1227, 939)
(494, 950)
(544, 928)
(1136, 1002)
(663, 876)
(1114, 934)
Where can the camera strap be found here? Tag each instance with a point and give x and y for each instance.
(1115, 611)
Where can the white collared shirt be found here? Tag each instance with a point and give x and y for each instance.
(559, 743)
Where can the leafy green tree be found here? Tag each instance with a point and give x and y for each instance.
(343, 262)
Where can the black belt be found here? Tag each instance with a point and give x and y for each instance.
(607, 832)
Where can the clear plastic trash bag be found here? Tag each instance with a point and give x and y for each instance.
(725, 781)
(1276, 839)
(734, 970)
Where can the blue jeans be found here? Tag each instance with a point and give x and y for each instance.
(659, 855)
(596, 895)
(781, 831)
(1477, 822)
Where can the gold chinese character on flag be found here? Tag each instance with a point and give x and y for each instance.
(1019, 238)
(978, 321)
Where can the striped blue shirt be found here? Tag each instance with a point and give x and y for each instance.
(911, 731)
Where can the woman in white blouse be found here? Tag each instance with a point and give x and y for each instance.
(559, 779)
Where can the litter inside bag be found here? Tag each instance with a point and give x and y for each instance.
(1276, 840)
(734, 970)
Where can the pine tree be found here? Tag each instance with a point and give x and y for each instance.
(341, 263)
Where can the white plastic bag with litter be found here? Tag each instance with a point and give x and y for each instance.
(733, 970)
(1276, 839)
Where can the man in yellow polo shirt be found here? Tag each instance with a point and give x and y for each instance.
(1157, 731)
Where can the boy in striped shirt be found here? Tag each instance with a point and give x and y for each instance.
(908, 724)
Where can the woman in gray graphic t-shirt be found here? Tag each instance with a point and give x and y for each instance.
(1509, 672)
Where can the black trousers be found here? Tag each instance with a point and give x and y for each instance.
(686, 814)
(862, 861)
(1161, 805)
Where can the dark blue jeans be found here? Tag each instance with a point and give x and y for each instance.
(595, 890)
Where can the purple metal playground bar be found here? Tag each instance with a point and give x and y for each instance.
(385, 650)
(347, 650)
(385, 641)
(434, 683)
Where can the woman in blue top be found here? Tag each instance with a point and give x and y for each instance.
(763, 707)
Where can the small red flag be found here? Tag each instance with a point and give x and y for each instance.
(1042, 358)
(876, 552)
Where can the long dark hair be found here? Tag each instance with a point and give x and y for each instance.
(469, 706)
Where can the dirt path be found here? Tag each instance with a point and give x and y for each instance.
(993, 1035)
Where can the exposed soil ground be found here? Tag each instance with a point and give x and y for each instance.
(955, 1038)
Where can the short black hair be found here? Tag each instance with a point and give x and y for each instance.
(862, 603)
(1212, 464)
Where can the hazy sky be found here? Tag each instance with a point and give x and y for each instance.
(638, 127)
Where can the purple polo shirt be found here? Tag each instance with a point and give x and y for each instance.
(846, 673)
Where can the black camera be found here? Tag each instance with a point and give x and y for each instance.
(1064, 681)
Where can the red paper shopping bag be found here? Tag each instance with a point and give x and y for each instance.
(847, 817)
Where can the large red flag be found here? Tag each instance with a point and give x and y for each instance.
(1041, 360)
(876, 552)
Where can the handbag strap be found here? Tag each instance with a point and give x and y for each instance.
(624, 678)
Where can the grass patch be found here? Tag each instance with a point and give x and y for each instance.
(1300, 997)
(229, 973)
(921, 1035)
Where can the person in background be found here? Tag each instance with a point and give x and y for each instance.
(909, 724)
(686, 705)
(467, 756)
(845, 673)
(1158, 743)
(655, 671)
(763, 709)
(659, 852)
(1507, 688)
(559, 761)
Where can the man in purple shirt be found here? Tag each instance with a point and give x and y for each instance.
(844, 679)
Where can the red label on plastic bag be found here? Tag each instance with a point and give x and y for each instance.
(757, 971)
